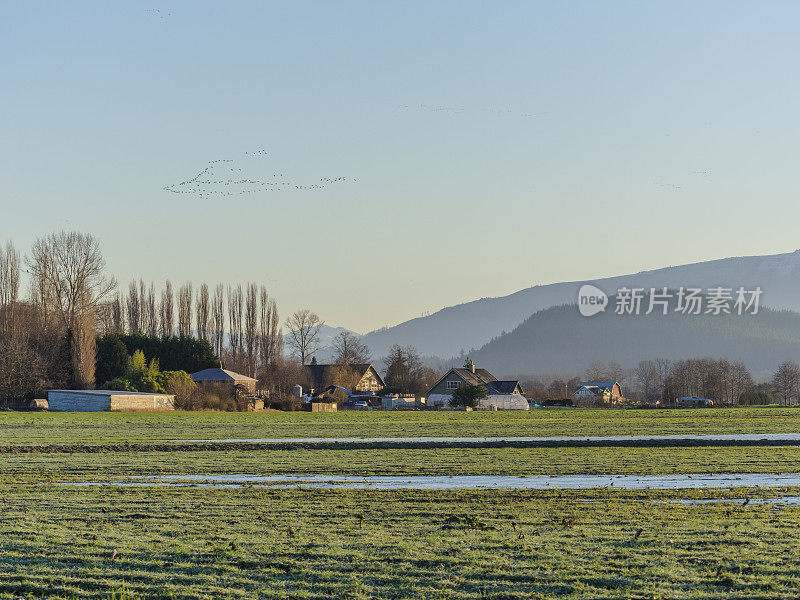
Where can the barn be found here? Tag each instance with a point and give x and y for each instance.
(105, 400)
(224, 378)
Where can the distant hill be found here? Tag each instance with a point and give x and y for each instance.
(560, 339)
(471, 325)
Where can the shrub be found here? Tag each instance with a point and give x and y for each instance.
(112, 357)
(181, 385)
(468, 395)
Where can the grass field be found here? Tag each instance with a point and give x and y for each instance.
(108, 542)
(163, 543)
(450, 461)
(66, 428)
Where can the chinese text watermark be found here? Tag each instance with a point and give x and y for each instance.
(684, 300)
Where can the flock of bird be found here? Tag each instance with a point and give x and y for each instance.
(224, 178)
(157, 12)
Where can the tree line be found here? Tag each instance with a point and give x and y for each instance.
(661, 381)
(58, 332)
(74, 327)
(239, 322)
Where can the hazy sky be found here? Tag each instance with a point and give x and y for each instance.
(485, 146)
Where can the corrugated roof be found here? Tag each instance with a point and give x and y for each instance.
(219, 375)
(111, 392)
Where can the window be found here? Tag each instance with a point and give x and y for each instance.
(451, 385)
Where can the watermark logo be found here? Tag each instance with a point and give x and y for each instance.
(591, 300)
(684, 300)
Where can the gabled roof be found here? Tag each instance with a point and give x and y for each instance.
(604, 385)
(219, 375)
(320, 373)
(502, 387)
(480, 377)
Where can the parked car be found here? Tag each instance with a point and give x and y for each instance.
(355, 405)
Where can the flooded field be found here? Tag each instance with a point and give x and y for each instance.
(487, 482)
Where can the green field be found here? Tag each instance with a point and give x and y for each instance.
(65, 541)
(441, 461)
(67, 428)
(190, 543)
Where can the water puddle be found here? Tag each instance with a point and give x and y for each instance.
(489, 482)
(780, 501)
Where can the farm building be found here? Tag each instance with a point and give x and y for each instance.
(505, 395)
(224, 378)
(598, 392)
(360, 378)
(105, 400)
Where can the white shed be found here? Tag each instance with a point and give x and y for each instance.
(105, 400)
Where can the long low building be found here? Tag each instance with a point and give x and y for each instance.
(105, 400)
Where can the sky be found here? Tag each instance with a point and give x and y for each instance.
(380, 160)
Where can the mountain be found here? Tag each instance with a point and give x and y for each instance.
(560, 339)
(471, 325)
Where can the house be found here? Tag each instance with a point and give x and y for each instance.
(598, 392)
(505, 395)
(224, 378)
(358, 378)
(106, 400)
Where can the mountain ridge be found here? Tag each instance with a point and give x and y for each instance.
(560, 339)
(471, 324)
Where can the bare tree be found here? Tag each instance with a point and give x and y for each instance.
(72, 267)
(741, 381)
(596, 372)
(23, 371)
(616, 372)
(218, 317)
(235, 308)
(143, 307)
(185, 310)
(269, 333)
(303, 326)
(9, 288)
(84, 348)
(405, 371)
(117, 310)
(663, 367)
(645, 375)
(166, 310)
(251, 327)
(134, 309)
(151, 316)
(786, 381)
(203, 313)
(349, 350)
